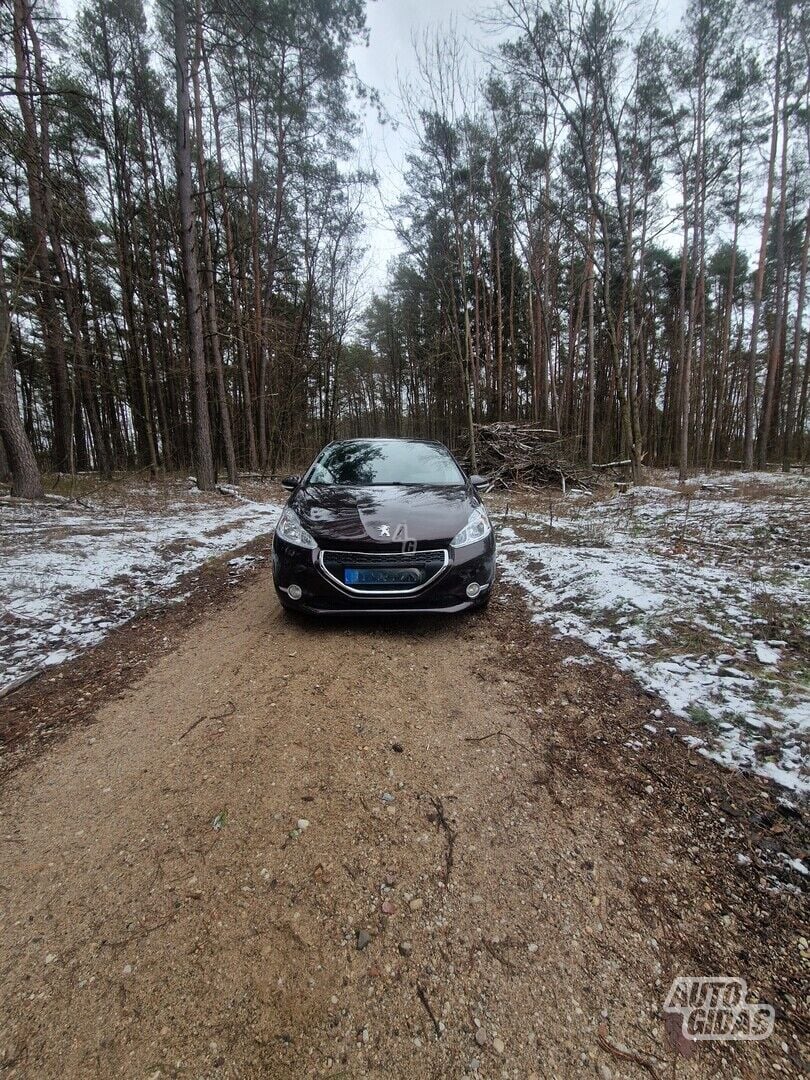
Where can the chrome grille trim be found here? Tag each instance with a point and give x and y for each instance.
(401, 555)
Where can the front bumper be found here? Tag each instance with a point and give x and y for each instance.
(321, 594)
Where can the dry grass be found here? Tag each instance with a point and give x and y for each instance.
(783, 620)
(137, 491)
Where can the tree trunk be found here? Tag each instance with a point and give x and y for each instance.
(790, 413)
(239, 329)
(208, 263)
(775, 354)
(35, 150)
(759, 281)
(203, 455)
(26, 482)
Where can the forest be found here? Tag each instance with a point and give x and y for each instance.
(603, 228)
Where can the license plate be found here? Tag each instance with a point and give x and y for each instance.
(406, 576)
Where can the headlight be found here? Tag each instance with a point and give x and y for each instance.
(291, 530)
(477, 528)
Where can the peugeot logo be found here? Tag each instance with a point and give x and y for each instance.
(385, 530)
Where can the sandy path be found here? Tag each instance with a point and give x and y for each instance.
(139, 940)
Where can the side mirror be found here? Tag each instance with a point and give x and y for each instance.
(291, 482)
(479, 481)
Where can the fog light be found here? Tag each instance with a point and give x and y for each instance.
(294, 592)
(473, 589)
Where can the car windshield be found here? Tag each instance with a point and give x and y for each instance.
(359, 463)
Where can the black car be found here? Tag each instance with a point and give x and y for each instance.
(383, 525)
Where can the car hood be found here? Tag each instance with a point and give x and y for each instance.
(386, 516)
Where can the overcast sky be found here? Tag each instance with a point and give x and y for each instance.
(393, 24)
(388, 58)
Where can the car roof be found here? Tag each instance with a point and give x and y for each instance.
(386, 439)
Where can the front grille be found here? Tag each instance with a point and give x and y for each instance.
(419, 568)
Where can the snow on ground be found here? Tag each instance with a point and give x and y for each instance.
(71, 571)
(700, 591)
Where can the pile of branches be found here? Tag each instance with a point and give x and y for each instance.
(527, 455)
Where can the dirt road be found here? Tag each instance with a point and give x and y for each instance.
(490, 881)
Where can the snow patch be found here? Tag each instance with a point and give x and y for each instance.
(765, 653)
(669, 584)
(71, 575)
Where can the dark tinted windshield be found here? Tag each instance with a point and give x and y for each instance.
(359, 462)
